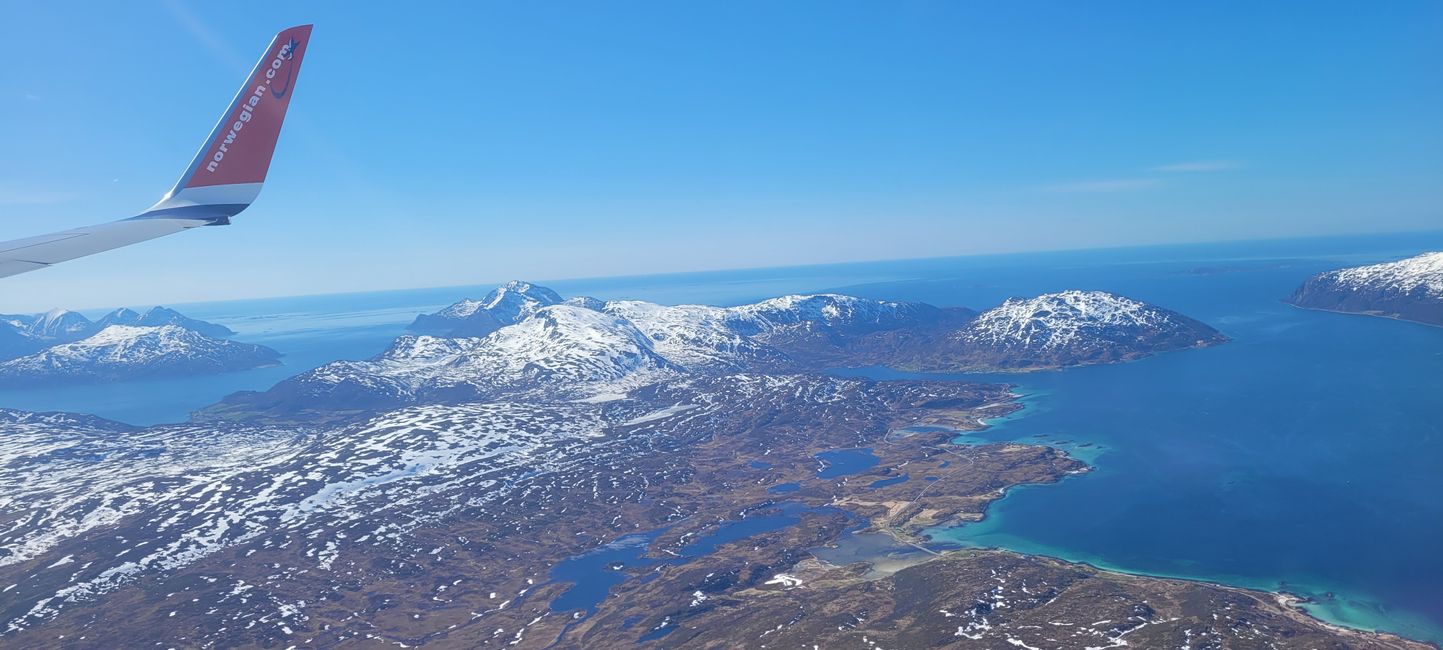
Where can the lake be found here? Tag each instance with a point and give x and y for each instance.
(1304, 455)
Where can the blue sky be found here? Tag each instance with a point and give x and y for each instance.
(480, 141)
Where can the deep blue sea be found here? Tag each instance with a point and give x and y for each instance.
(1305, 455)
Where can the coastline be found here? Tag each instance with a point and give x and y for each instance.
(1286, 603)
(1393, 317)
(1294, 603)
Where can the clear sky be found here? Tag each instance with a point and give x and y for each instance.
(437, 144)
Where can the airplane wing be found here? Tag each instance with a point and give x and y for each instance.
(223, 179)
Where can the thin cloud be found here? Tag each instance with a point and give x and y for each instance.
(1197, 166)
(1109, 185)
(32, 97)
(203, 33)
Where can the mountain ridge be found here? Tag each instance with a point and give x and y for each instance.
(22, 334)
(124, 352)
(583, 348)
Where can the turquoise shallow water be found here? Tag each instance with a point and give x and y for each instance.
(1304, 455)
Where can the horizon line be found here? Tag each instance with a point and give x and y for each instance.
(1041, 251)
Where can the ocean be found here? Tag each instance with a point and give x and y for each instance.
(1304, 455)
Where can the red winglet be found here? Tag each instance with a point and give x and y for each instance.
(239, 149)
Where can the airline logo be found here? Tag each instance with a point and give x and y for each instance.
(284, 56)
(240, 150)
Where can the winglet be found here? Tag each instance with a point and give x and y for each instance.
(227, 172)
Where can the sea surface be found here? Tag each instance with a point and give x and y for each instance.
(1305, 455)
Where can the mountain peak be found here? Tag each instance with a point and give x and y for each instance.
(505, 305)
(522, 286)
(581, 346)
(166, 316)
(522, 297)
(59, 323)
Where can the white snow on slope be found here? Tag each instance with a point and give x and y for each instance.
(121, 347)
(188, 492)
(1420, 273)
(559, 346)
(697, 336)
(58, 323)
(584, 347)
(508, 303)
(689, 335)
(461, 308)
(1057, 320)
(517, 300)
(828, 309)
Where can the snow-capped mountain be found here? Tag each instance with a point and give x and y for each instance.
(584, 348)
(60, 324)
(1077, 327)
(835, 311)
(559, 345)
(782, 330)
(15, 341)
(25, 334)
(128, 352)
(693, 336)
(506, 305)
(157, 316)
(1410, 289)
(560, 350)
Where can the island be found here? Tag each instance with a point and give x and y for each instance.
(1409, 289)
(63, 347)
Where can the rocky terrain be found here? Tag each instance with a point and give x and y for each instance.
(455, 525)
(592, 475)
(984, 599)
(1409, 289)
(425, 512)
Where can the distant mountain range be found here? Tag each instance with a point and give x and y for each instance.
(1409, 289)
(525, 340)
(26, 333)
(64, 346)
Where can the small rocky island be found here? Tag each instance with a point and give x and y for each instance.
(64, 346)
(1409, 289)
